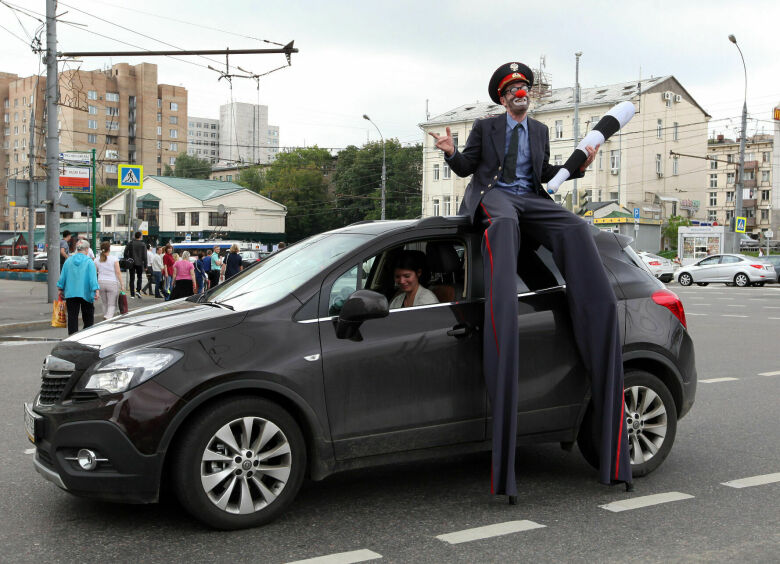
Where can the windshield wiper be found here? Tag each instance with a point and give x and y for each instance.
(218, 304)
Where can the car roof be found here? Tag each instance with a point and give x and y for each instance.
(378, 227)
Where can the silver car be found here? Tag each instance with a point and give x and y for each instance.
(739, 270)
(662, 268)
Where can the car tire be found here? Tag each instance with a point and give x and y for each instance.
(741, 279)
(647, 397)
(702, 283)
(218, 477)
(685, 279)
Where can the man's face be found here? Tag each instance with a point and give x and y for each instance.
(512, 103)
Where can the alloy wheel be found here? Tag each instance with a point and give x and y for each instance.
(741, 280)
(646, 420)
(685, 279)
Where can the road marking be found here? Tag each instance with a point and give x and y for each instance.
(736, 305)
(644, 501)
(754, 481)
(29, 451)
(731, 315)
(488, 531)
(776, 373)
(725, 298)
(716, 380)
(771, 307)
(701, 314)
(773, 317)
(341, 558)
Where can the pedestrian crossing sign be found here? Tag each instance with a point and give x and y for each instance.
(741, 221)
(131, 176)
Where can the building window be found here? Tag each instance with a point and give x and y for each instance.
(765, 156)
(750, 175)
(172, 161)
(213, 126)
(159, 102)
(713, 164)
(107, 220)
(173, 146)
(446, 172)
(675, 166)
(91, 138)
(764, 176)
(558, 159)
(173, 119)
(112, 125)
(614, 160)
(198, 134)
(713, 198)
(713, 180)
(730, 158)
(217, 219)
(112, 154)
(91, 124)
(675, 132)
(174, 107)
(112, 97)
(455, 142)
(765, 195)
(730, 177)
(159, 132)
(92, 94)
(659, 129)
(435, 172)
(194, 218)
(110, 168)
(601, 161)
(729, 214)
(112, 111)
(229, 177)
(173, 133)
(181, 217)
(712, 215)
(112, 139)
(436, 208)
(593, 121)
(92, 110)
(559, 129)
(447, 206)
(658, 165)
(730, 197)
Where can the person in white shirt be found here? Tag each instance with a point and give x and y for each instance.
(90, 253)
(109, 279)
(408, 269)
(157, 272)
(149, 271)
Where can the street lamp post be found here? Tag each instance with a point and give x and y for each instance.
(740, 177)
(384, 176)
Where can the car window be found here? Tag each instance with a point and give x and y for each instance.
(729, 260)
(536, 270)
(709, 261)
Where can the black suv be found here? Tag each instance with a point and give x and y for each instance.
(296, 368)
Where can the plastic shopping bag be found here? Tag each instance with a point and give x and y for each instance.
(59, 316)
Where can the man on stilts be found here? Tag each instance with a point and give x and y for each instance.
(508, 156)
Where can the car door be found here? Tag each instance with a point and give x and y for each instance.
(413, 379)
(729, 267)
(707, 270)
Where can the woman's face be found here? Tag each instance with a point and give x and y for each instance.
(407, 280)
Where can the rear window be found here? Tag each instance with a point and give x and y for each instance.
(635, 259)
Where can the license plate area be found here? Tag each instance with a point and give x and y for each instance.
(31, 422)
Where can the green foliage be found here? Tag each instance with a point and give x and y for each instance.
(252, 178)
(671, 227)
(102, 195)
(189, 167)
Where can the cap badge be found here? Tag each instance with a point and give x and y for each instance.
(514, 67)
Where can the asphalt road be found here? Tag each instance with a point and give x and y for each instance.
(397, 512)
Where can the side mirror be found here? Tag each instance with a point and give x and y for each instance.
(359, 307)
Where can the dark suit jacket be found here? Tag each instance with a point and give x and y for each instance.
(483, 157)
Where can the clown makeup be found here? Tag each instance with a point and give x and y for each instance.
(515, 104)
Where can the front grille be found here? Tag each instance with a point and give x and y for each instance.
(52, 388)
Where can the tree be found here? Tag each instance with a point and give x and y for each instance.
(102, 194)
(670, 229)
(298, 181)
(189, 167)
(252, 178)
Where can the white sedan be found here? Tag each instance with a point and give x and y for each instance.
(662, 268)
(739, 270)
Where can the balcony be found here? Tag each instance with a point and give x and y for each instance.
(750, 183)
(748, 204)
(751, 164)
(751, 222)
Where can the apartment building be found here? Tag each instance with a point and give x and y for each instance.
(633, 168)
(757, 193)
(122, 112)
(203, 138)
(245, 135)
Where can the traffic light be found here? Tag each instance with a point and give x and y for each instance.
(582, 201)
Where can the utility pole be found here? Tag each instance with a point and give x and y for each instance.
(578, 54)
(741, 175)
(52, 152)
(32, 192)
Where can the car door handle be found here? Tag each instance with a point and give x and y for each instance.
(462, 330)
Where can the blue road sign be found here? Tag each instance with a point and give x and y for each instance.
(741, 224)
(636, 213)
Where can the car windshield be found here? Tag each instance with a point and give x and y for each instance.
(284, 271)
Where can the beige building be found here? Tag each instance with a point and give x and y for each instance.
(633, 168)
(203, 138)
(121, 112)
(757, 191)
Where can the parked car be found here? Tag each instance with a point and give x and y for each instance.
(739, 270)
(14, 262)
(41, 261)
(296, 367)
(774, 260)
(249, 258)
(662, 268)
(747, 242)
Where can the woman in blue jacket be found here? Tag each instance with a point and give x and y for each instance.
(78, 285)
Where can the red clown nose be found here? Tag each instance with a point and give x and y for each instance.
(520, 94)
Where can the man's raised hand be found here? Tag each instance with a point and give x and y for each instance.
(444, 142)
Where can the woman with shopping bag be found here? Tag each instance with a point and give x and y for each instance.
(109, 278)
(78, 285)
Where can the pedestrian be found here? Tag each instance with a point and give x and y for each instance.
(168, 262)
(91, 253)
(200, 273)
(78, 286)
(157, 272)
(72, 242)
(109, 279)
(64, 247)
(135, 254)
(184, 277)
(508, 158)
(232, 263)
(760, 253)
(149, 272)
(216, 267)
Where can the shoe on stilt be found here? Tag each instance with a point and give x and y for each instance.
(512, 500)
(629, 486)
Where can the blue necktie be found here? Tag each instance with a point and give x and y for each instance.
(510, 160)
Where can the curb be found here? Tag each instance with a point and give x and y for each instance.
(25, 326)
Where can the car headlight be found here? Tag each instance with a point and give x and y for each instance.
(126, 370)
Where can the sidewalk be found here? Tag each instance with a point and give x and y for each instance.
(23, 306)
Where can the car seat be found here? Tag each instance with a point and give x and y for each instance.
(444, 264)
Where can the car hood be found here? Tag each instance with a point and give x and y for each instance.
(156, 324)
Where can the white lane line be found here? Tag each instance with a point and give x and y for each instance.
(341, 558)
(725, 298)
(644, 501)
(773, 317)
(29, 451)
(479, 533)
(736, 305)
(771, 307)
(754, 481)
(701, 314)
(716, 380)
(776, 373)
(731, 315)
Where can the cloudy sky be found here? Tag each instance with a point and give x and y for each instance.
(386, 59)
